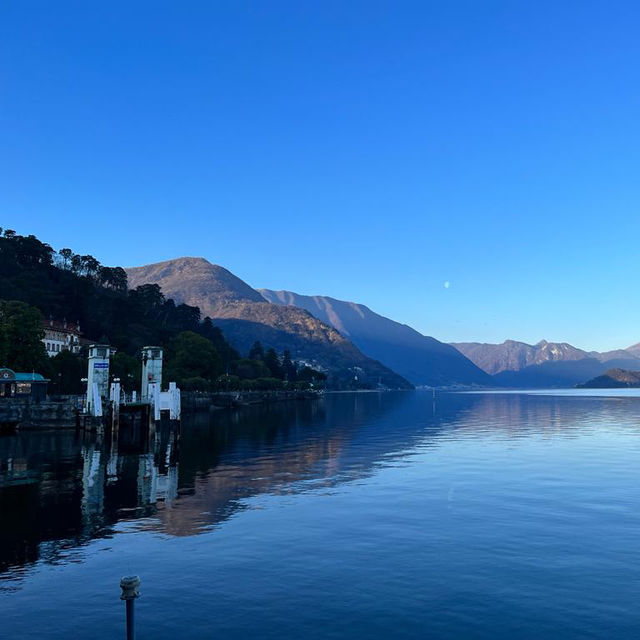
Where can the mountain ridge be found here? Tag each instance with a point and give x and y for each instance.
(423, 360)
(513, 363)
(245, 316)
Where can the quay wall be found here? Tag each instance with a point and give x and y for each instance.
(204, 400)
(62, 411)
(55, 411)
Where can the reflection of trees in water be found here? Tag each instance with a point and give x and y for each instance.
(283, 449)
(58, 490)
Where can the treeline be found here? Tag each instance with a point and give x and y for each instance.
(266, 370)
(65, 285)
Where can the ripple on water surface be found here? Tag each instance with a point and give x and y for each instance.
(494, 515)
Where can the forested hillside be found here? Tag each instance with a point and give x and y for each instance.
(63, 284)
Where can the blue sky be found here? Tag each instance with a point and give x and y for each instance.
(371, 151)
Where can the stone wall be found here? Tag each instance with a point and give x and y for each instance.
(57, 412)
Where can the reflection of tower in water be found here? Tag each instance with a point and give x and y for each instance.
(93, 478)
(136, 472)
(158, 469)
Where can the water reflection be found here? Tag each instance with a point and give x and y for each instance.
(59, 490)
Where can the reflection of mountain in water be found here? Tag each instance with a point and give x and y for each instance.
(274, 450)
(59, 490)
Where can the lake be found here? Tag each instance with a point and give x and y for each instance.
(365, 515)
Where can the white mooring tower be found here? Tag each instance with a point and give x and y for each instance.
(97, 377)
(151, 389)
(151, 369)
(101, 395)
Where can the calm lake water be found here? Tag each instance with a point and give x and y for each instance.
(355, 516)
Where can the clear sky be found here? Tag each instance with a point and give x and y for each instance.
(372, 151)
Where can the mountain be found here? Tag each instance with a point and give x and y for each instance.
(545, 364)
(245, 316)
(420, 359)
(634, 350)
(558, 374)
(614, 379)
(197, 282)
(513, 356)
(616, 354)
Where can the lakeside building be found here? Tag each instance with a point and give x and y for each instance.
(61, 336)
(31, 386)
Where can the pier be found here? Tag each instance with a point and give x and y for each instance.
(107, 400)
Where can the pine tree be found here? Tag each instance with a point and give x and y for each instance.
(257, 351)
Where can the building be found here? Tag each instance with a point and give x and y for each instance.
(61, 336)
(31, 386)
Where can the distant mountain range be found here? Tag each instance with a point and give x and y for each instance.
(245, 316)
(350, 339)
(420, 359)
(517, 364)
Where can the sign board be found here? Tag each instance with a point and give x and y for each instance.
(100, 365)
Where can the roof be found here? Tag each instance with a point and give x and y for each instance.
(30, 377)
(63, 326)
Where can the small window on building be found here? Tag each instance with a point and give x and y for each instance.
(23, 388)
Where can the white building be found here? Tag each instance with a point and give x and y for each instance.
(61, 336)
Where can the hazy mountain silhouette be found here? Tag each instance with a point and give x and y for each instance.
(634, 350)
(513, 356)
(545, 364)
(421, 359)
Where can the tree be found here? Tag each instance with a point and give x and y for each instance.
(273, 363)
(119, 279)
(257, 351)
(248, 369)
(128, 369)
(288, 367)
(76, 263)
(226, 351)
(66, 255)
(66, 371)
(30, 252)
(191, 356)
(148, 295)
(105, 276)
(187, 317)
(90, 265)
(21, 335)
(113, 277)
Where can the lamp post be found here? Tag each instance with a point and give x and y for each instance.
(129, 586)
